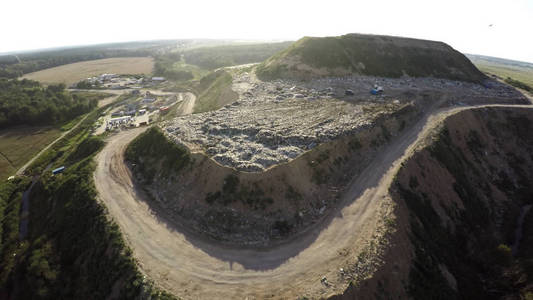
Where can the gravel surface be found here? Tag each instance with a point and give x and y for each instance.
(274, 122)
(271, 123)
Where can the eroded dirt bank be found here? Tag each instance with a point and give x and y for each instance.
(457, 203)
(259, 209)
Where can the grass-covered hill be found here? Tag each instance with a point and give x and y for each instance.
(214, 91)
(197, 62)
(211, 58)
(517, 73)
(374, 55)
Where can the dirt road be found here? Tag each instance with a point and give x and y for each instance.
(26, 165)
(186, 108)
(192, 268)
(107, 100)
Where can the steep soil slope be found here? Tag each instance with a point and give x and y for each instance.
(458, 202)
(373, 55)
(256, 208)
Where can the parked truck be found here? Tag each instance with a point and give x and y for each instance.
(58, 170)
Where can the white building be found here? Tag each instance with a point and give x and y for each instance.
(119, 120)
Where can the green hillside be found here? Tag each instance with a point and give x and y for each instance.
(214, 91)
(374, 55)
(504, 68)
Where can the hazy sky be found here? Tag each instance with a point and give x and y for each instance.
(464, 24)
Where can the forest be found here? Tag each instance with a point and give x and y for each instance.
(27, 102)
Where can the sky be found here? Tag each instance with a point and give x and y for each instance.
(488, 27)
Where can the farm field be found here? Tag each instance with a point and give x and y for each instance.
(504, 68)
(72, 73)
(20, 144)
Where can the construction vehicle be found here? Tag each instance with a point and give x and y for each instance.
(377, 90)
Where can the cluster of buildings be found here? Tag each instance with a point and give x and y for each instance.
(140, 108)
(136, 112)
(115, 122)
(115, 81)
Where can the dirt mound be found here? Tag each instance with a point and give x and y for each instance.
(255, 208)
(373, 55)
(274, 122)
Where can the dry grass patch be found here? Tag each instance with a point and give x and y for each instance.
(72, 73)
(20, 144)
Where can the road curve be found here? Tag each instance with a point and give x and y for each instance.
(194, 269)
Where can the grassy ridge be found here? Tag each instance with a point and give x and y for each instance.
(214, 92)
(211, 58)
(153, 153)
(192, 70)
(369, 55)
(194, 63)
(518, 84)
(504, 68)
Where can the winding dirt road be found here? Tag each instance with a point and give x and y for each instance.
(192, 268)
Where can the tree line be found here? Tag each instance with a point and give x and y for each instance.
(28, 102)
(15, 65)
(164, 66)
